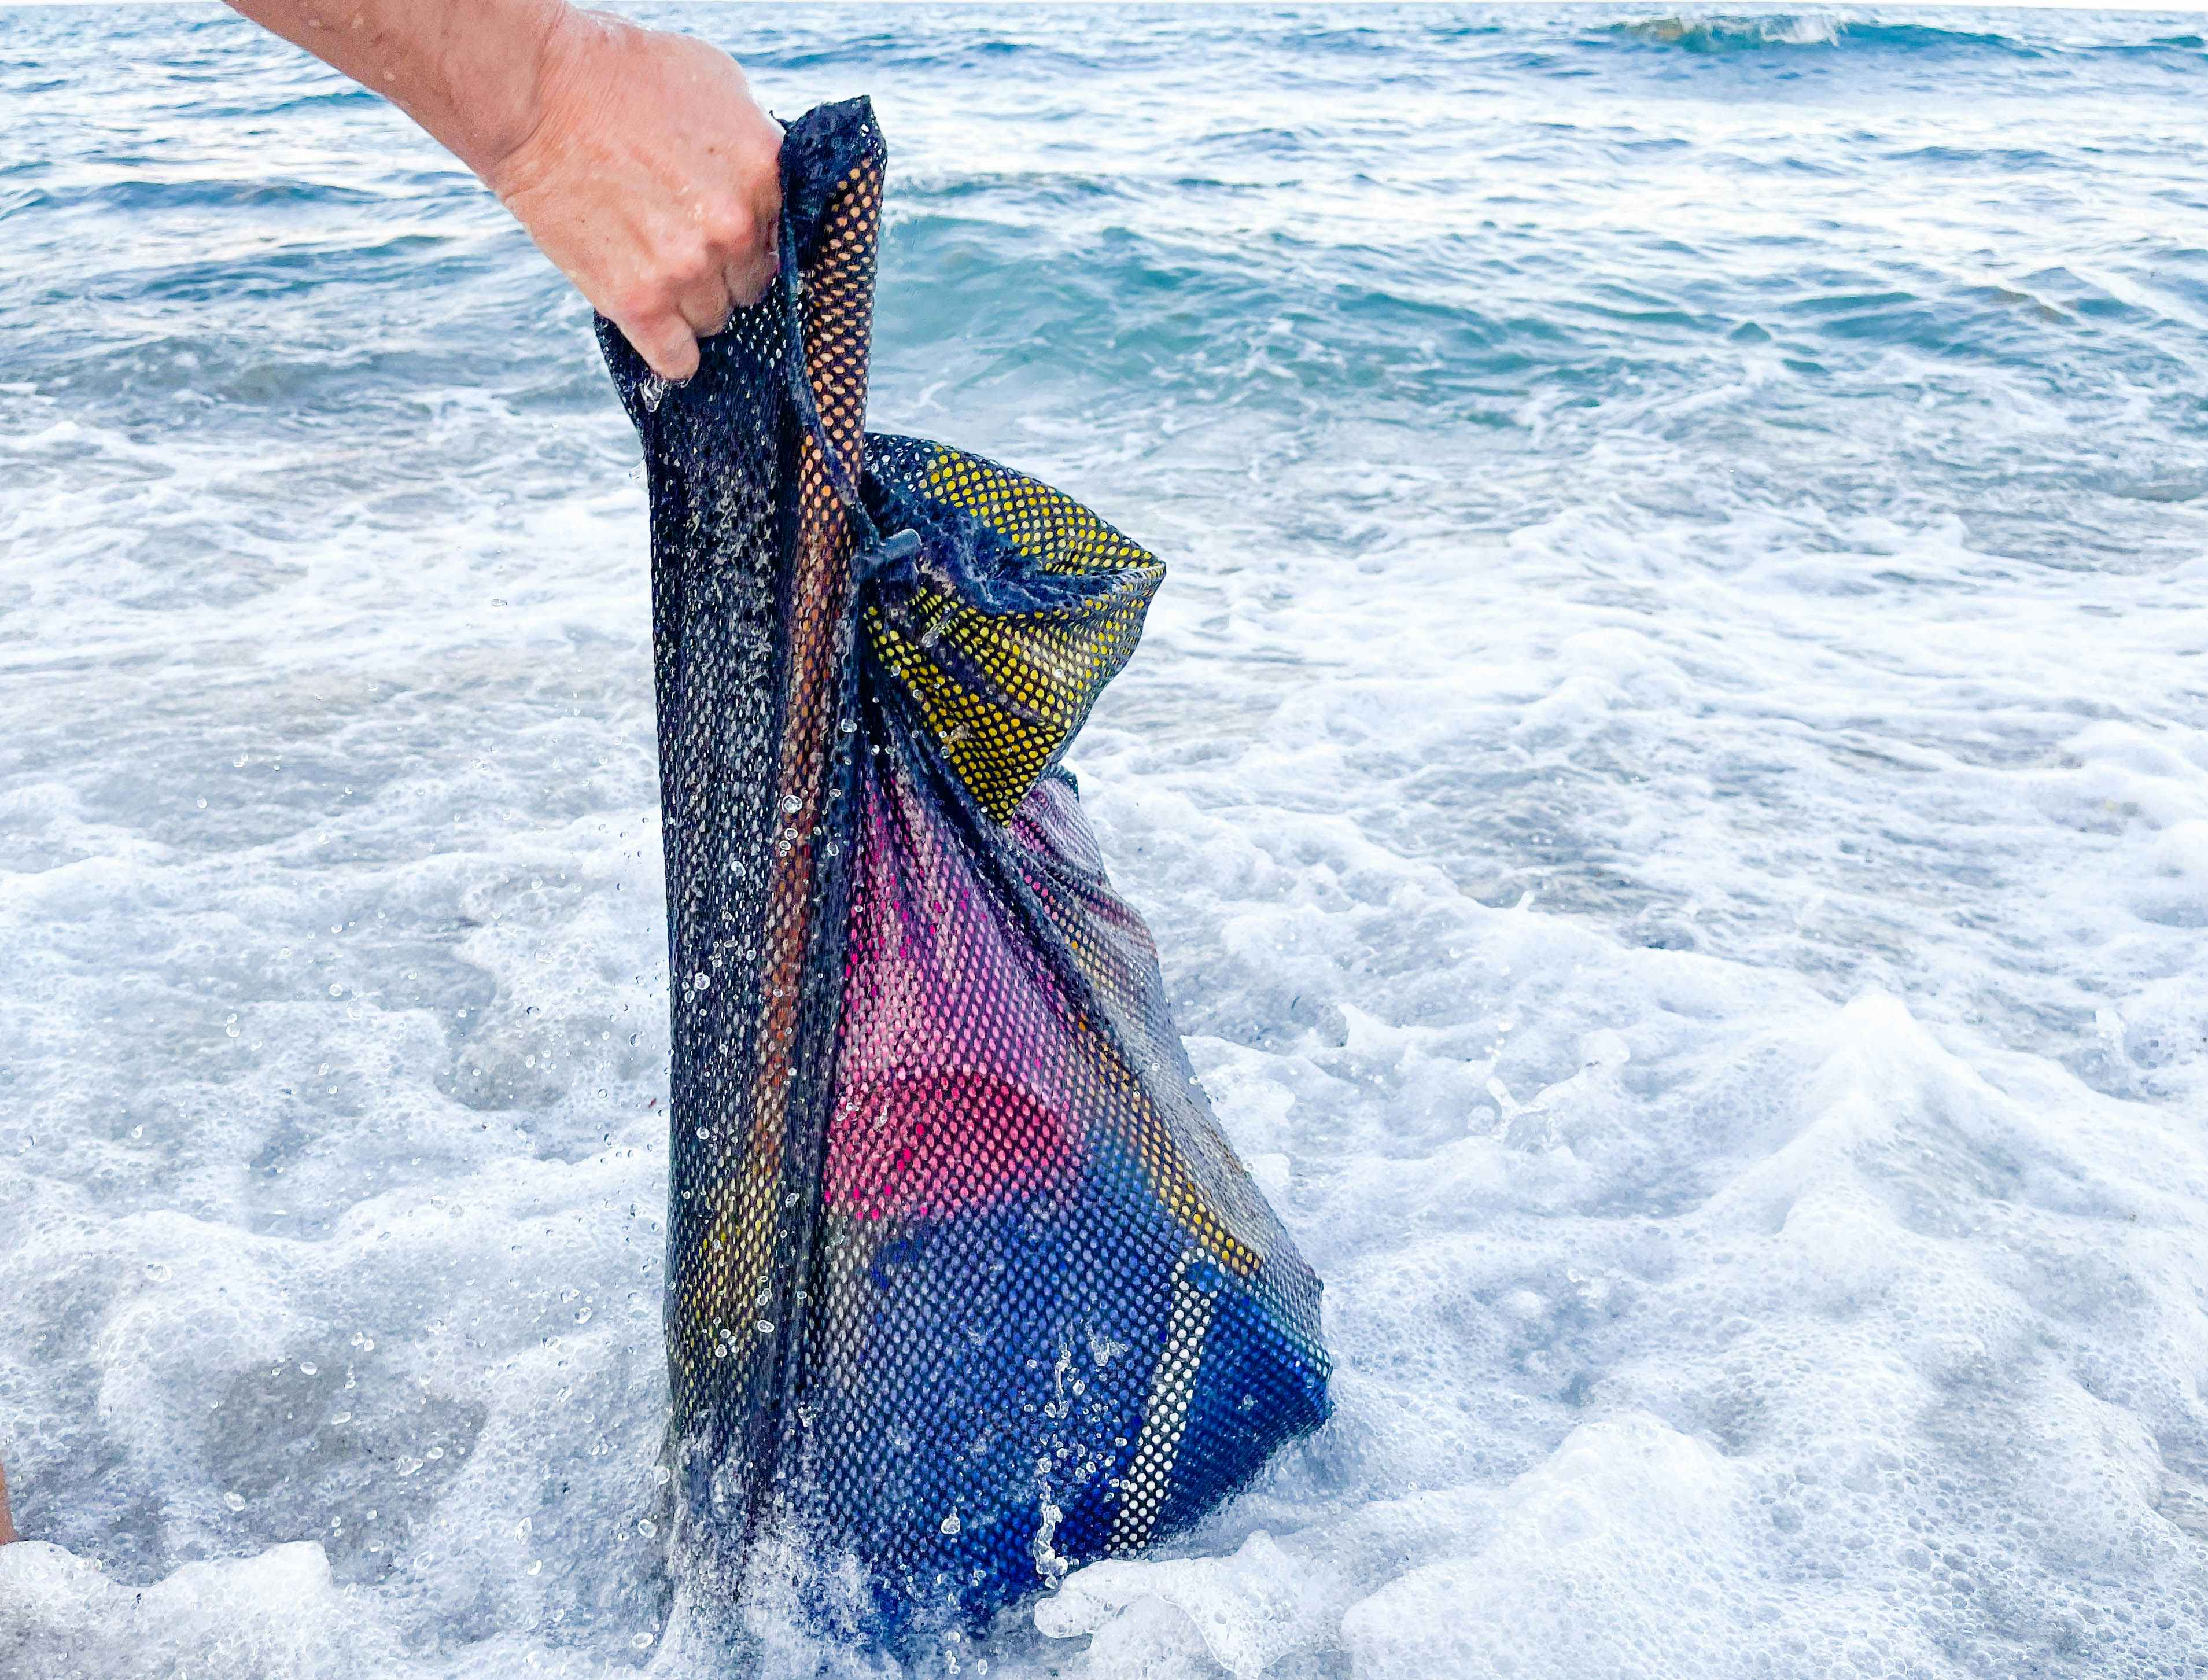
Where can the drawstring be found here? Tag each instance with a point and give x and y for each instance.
(871, 551)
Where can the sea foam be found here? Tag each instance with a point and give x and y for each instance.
(1670, 773)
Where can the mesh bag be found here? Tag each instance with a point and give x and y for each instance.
(964, 1286)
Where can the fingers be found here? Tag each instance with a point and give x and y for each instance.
(705, 303)
(696, 297)
(667, 319)
(751, 274)
(739, 254)
(752, 260)
(666, 324)
(665, 341)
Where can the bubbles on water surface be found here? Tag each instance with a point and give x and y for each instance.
(1666, 774)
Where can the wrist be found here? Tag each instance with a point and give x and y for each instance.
(548, 35)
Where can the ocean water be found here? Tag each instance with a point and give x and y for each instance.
(1670, 772)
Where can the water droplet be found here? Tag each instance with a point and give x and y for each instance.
(642, 1642)
(337, 991)
(789, 803)
(235, 1502)
(950, 1523)
(308, 1367)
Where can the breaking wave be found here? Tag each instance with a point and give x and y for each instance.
(1756, 31)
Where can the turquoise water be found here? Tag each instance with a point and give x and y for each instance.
(1670, 773)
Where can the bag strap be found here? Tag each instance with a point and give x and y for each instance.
(871, 549)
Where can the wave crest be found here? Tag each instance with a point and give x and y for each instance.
(1746, 33)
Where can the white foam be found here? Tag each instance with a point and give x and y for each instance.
(1684, 872)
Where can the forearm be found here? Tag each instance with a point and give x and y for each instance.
(637, 158)
(469, 71)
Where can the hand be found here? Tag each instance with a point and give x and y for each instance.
(651, 178)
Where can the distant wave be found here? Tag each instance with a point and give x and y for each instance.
(1790, 29)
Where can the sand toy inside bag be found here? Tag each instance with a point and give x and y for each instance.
(964, 1287)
